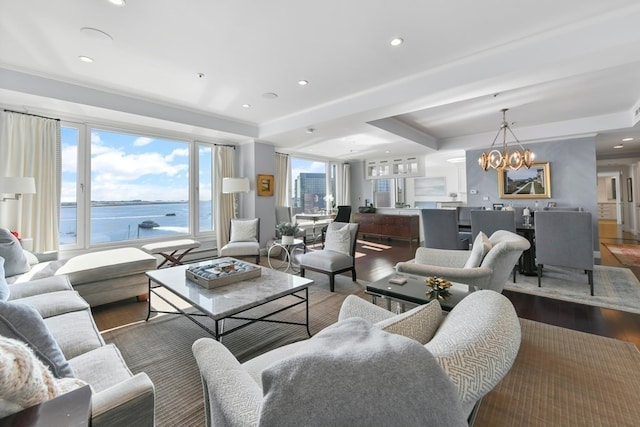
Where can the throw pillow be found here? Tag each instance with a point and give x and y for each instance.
(26, 381)
(15, 262)
(243, 230)
(420, 323)
(24, 323)
(354, 374)
(338, 240)
(4, 287)
(481, 246)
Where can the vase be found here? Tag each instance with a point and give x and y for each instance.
(287, 240)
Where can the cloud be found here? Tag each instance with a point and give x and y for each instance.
(142, 141)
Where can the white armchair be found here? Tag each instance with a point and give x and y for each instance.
(494, 266)
(244, 239)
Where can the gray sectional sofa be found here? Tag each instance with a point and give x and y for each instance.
(119, 397)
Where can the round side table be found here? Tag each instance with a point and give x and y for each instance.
(288, 253)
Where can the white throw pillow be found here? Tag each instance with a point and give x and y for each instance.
(243, 230)
(338, 240)
(481, 246)
(420, 323)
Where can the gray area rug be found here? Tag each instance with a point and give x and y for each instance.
(614, 287)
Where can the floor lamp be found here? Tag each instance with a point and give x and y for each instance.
(234, 186)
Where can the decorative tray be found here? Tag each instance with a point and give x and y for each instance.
(222, 271)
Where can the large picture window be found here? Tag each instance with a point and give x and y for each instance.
(134, 187)
(309, 184)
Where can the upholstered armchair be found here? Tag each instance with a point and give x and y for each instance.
(337, 255)
(244, 240)
(486, 266)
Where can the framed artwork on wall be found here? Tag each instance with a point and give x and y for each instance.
(532, 183)
(429, 187)
(265, 185)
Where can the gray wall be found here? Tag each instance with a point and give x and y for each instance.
(573, 173)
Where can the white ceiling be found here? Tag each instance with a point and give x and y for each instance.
(563, 68)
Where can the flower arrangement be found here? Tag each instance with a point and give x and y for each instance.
(437, 287)
(287, 228)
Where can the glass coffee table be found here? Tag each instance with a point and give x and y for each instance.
(414, 291)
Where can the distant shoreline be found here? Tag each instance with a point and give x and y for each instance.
(124, 203)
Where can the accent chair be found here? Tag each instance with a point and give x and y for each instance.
(244, 240)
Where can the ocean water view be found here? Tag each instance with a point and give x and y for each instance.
(117, 222)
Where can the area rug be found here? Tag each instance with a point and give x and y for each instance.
(614, 287)
(626, 254)
(566, 378)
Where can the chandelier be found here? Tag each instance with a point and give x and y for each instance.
(512, 158)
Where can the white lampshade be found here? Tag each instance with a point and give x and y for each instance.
(17, 185)
(235, 185)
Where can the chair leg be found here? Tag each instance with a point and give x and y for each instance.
(301, 272)
(332, 282)
(539, 274)
(258, 259)
(590, 276)
(353, 274)
(514, 274)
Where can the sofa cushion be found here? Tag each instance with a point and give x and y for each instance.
(15, 261)
(481, 246)
(331, 382)
(75, 332)
(24, 323)
(419, 323)
(4, 286)
(55, 303)
(26, 381)
(97, 266)
(338, 240)
(244, 230)
(102, 367)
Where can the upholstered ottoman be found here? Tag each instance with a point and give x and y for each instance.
(111, 275)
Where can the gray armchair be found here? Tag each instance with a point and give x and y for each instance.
(492, 272)
(565, 239)
(332, 259)
(244, 240)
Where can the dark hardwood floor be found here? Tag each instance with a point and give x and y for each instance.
(377, 258)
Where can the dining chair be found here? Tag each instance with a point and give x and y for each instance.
(441, 231)
(564, 239)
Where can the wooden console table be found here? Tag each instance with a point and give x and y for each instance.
(390, 226)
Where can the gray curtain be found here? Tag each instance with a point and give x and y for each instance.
(30, 147)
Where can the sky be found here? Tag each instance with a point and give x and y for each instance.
(130, 167)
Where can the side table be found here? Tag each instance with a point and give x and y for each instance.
(288, 252)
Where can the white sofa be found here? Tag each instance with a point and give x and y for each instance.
(475, 344)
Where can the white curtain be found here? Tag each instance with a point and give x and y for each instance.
(345, 193)
(223, 203)
(30, 147)
(282, 179)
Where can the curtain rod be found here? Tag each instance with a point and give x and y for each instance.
(225, 145)
(284, 154)
(29, 114)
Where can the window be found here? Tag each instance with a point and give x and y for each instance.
(309, 184)
(141, 187)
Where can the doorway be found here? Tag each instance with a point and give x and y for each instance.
(609, 197)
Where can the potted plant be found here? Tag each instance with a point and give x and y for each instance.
(287, 231)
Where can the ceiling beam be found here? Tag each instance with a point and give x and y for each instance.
(400, 128)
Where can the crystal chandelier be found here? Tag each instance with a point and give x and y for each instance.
(512, 158)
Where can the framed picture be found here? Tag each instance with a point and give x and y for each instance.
(629, 190)
(532, 183)
(429, 187)
(551, 204)
(265, 185)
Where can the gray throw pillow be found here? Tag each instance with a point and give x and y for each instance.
(15, 261)
(4, 287)
(354, 374)
(24, 323)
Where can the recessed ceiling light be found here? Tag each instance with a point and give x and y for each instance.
(96, 34)
(85, 58)
(270, 95)
(200, 75)
(618, 146)
(118, 2)
(396, 41)
(303, 82)
(627, 139)
(246, 105)
(310, 130)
